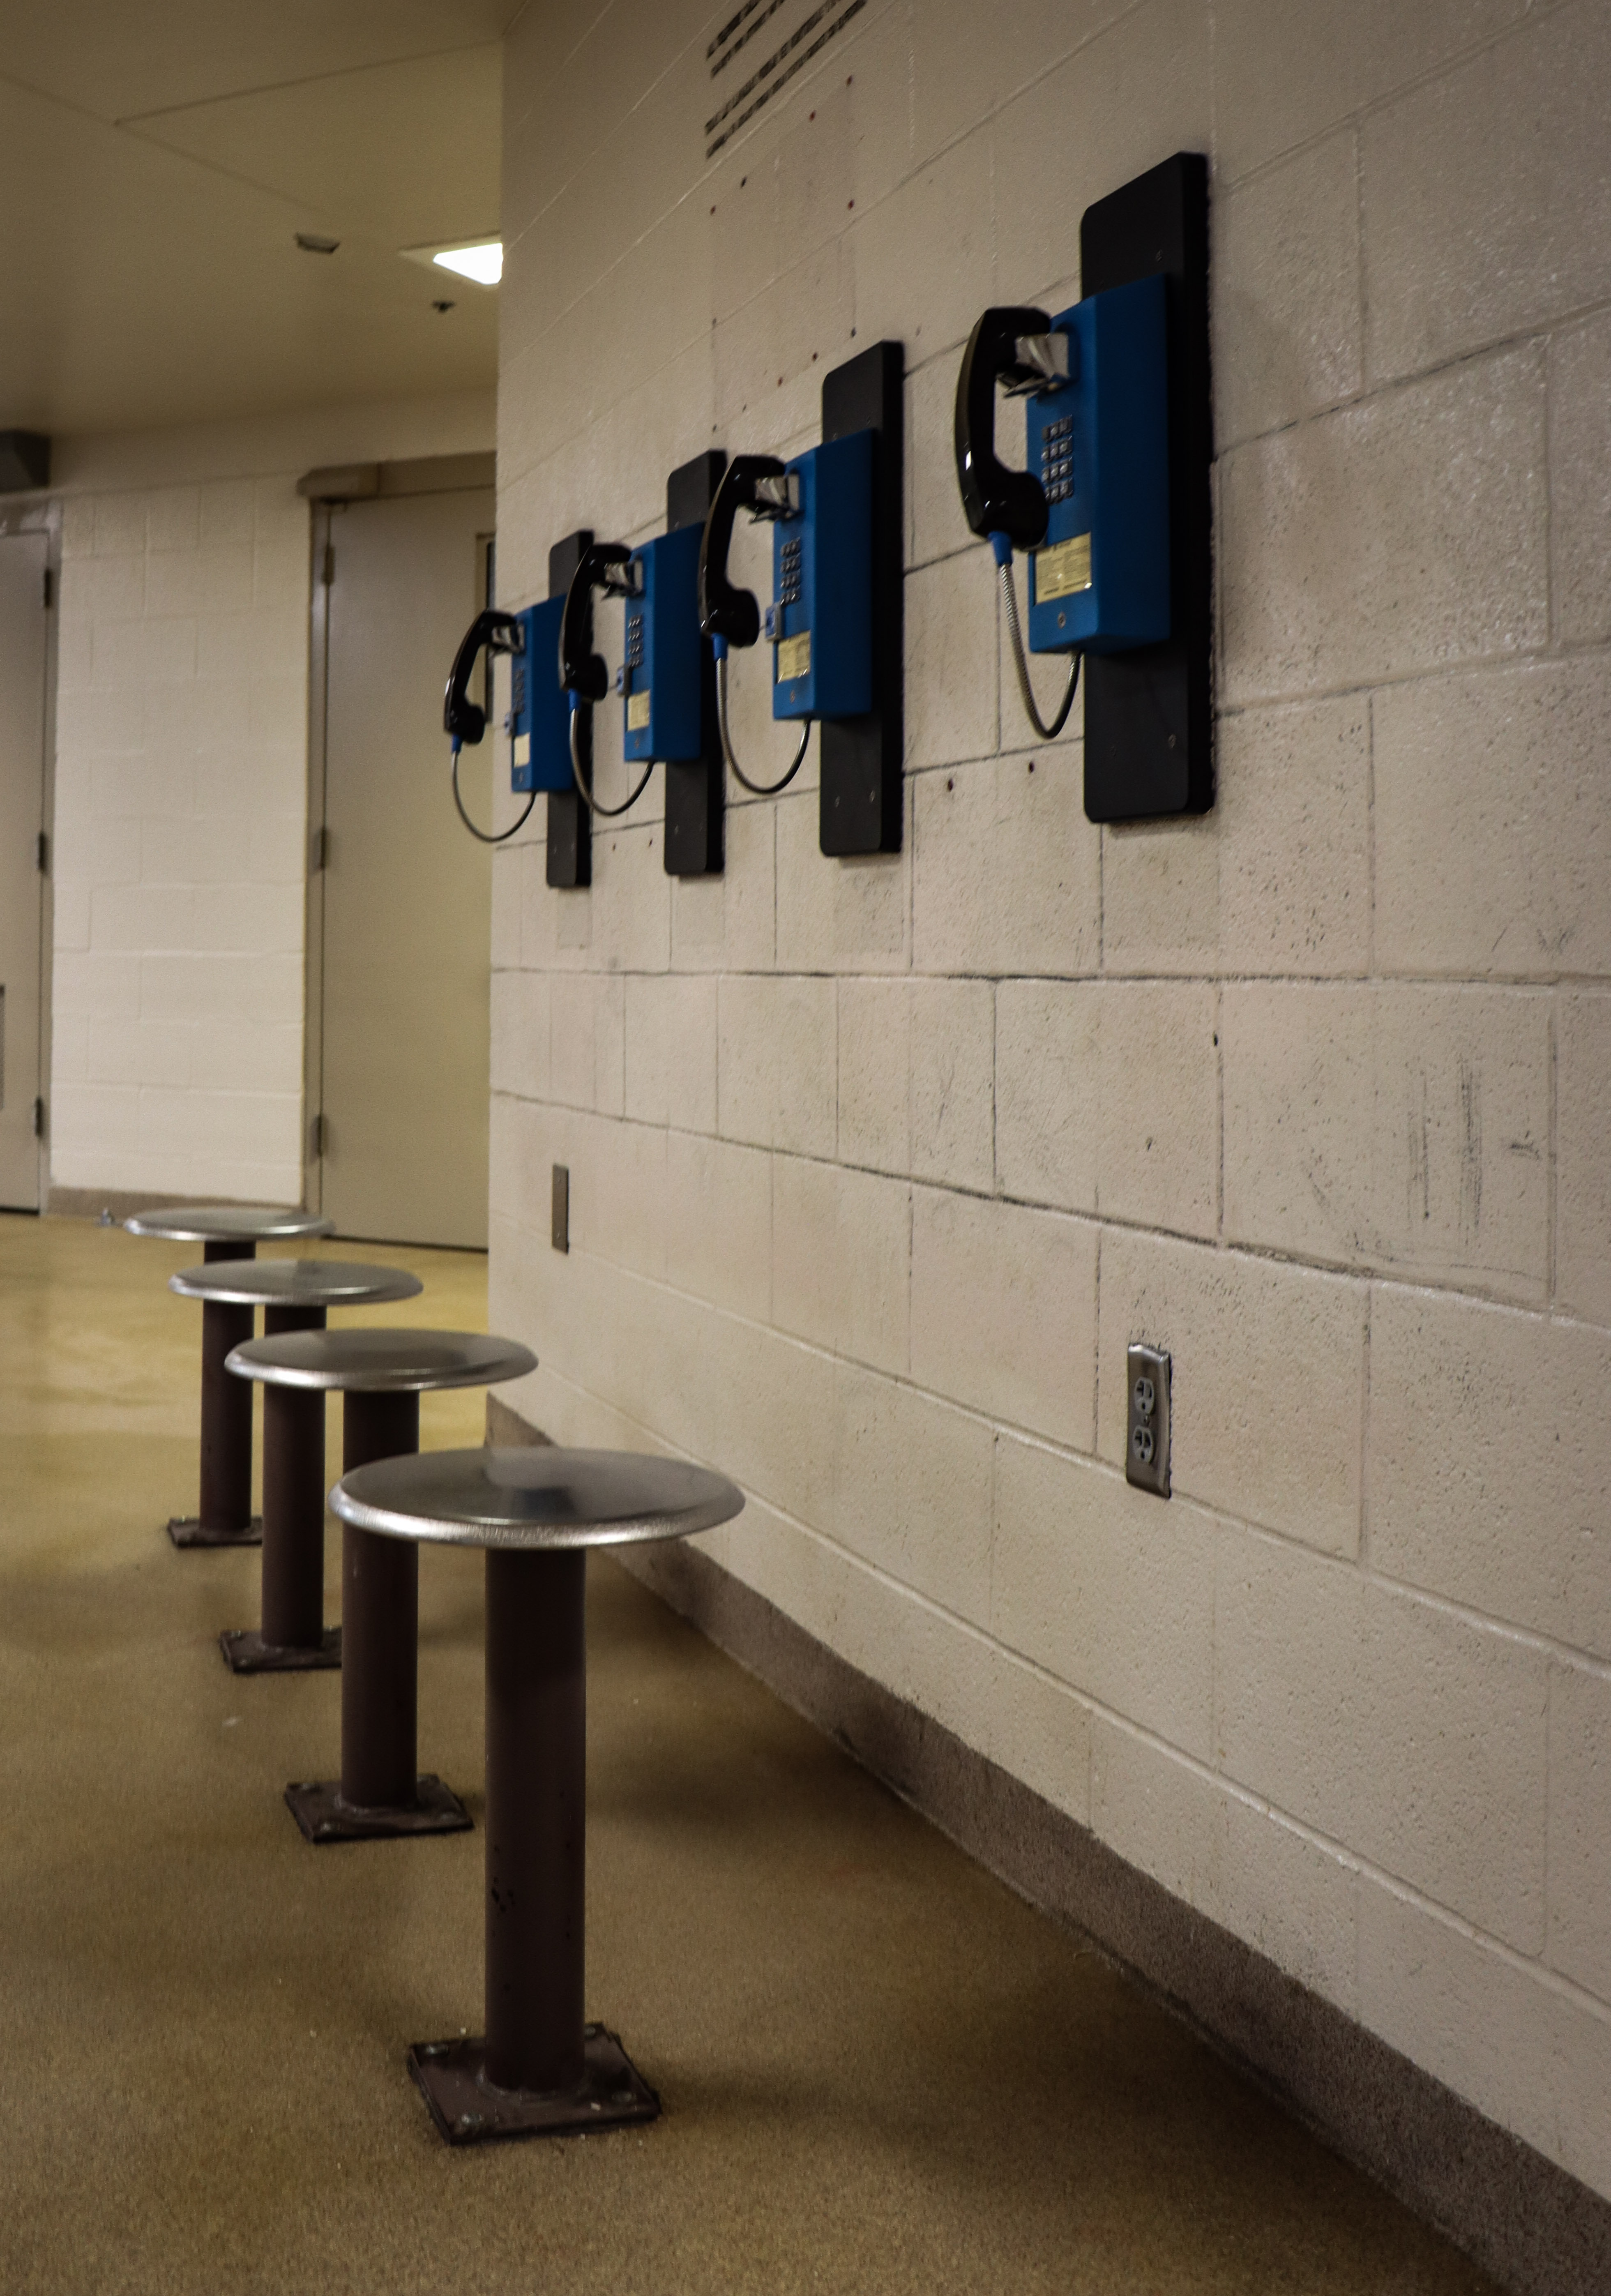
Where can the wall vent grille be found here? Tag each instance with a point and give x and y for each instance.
(793, 52)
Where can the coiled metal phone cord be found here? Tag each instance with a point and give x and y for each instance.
(601, 812)
(483, 836)
(1047, 733)
(756, 788)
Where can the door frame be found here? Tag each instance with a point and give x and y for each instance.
(42, 514)
(328, 493)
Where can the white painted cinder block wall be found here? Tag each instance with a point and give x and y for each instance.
(181, 793)
(876, 1168)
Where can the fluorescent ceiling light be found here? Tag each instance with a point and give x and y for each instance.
(483, 263)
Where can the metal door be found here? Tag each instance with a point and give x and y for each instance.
(407, 894)
(23, 565)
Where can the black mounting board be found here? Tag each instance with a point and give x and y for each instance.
(1149, 714)
(569, 823)
(861, 797)
(696, 789)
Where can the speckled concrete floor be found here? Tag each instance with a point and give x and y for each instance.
(880, 2071)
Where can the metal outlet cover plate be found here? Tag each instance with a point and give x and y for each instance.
(1146, 1414)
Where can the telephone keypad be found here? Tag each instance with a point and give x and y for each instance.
(1057, 459)
(790, 571)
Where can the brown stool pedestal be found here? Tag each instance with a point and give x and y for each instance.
(294, 1295)
(539, 2069)
(381, 1376)
(224, 1232)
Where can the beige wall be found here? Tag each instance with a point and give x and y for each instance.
(877, 1167)
(181, 793)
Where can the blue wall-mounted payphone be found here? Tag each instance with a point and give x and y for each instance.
(1099, 443)
(659, 680)
(1113, 510)
(820, 621)
(539, 725)
(834, 621)
(1092, 508)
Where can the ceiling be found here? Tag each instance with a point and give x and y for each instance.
(157, 158)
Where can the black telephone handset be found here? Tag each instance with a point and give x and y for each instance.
(726, 611)
(996, 500)
(464, 719)
(583, 672)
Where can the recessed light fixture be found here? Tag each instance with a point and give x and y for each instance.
(314, 242)
(478, 259)
(483, 263)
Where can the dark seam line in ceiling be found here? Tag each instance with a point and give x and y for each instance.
(293, 207)
(280, 86)
(62, 102)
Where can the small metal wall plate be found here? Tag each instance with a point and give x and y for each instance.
(560, 1227)
(1147, 1420)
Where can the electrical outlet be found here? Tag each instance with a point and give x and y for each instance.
(1147, 1415)
(560, 1229)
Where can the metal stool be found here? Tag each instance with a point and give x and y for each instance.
(381, 1375)
(294, 1295)
(539, 2070)
(226, 1232)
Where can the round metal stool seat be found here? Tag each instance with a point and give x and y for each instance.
(538, 2069)
(386, 1362)
(229, 1231)
(295, 1296)
(279, 1284)
(381, 1376)
(225, 1232)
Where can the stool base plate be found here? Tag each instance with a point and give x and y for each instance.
(245, 1651)
(189, 1530)
(468, 2108)
(323, 1816)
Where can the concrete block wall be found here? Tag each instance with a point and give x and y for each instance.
(181, 846)
(877, 1167)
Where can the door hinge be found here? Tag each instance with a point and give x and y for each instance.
(50, 589)
(42, 852)
(330, 564)
(318, 1137)
(39, 1119)
(318, 854)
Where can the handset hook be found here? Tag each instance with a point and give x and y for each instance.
(583, 672)
(996, 500)
(584, 675)
(464, 719)
(726, 611)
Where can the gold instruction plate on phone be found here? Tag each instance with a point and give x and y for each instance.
(1064, 569)
(794, 656)
(637, 712)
